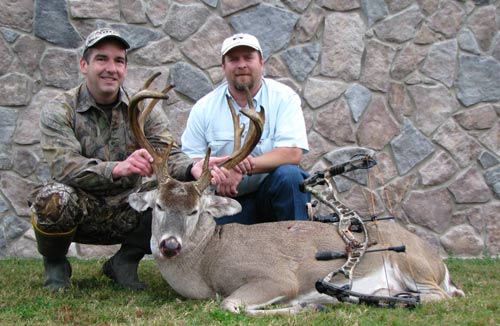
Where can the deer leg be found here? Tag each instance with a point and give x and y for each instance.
(253, 296)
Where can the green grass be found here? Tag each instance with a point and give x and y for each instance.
(95, 300)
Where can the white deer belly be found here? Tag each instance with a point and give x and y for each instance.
(381, 282)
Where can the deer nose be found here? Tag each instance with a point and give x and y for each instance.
(170, 247)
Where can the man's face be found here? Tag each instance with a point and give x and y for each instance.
(243, 66)
(105, 70)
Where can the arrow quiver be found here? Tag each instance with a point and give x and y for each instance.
(338, 283)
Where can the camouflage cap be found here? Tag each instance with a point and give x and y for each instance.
(101, 34)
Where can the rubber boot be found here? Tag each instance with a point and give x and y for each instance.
(122, 267)
(54, 247)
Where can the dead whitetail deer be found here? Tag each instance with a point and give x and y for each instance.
(253, 266)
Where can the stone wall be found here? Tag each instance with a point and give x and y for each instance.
(415, 82)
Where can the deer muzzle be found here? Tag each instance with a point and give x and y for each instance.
(170, 247)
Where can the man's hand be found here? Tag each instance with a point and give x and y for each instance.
(218, 174)
(229, 186)
(246, 166)
(139, 162)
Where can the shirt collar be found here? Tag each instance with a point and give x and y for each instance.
(86, 101)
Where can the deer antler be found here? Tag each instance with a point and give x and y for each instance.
(251, 140)
(137, 119)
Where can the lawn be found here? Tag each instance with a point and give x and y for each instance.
(95, 300)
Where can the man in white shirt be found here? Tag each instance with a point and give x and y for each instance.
(267, 182)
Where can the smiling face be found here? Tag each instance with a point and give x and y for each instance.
(105, 69)
(243, 66)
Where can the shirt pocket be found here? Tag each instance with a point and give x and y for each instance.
(220, 142)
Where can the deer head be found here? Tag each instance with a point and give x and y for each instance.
(182, 211)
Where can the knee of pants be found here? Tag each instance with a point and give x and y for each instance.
(289, 174)
(55, 208)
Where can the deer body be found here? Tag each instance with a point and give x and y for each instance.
(252, 266)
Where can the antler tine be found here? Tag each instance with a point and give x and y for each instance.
(238, 128)
(150, 80)
(239, 154)
(137, 129)
(151, 105)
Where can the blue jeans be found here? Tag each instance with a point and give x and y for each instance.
(277, 199)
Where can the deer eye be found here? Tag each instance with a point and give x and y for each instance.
(159, 207)
(195, 212)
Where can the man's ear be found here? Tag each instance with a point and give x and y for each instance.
(141, 201)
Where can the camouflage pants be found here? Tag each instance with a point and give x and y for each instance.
(58, 208)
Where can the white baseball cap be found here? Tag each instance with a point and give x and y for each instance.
(240, 39)
(101, 34)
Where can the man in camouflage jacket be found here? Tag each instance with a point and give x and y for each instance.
(89, 147)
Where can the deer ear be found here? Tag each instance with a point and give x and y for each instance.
(140, 201)
(218, 206)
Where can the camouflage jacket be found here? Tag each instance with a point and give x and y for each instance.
(82, 146)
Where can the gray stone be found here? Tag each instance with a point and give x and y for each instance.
(467, 41)
(374, 10)
(17, 14)
(425, 36)
(407, 60)
(133, 11)
(203, 48)
(190, 81)
(462, 241)
(271, 25)
(448, 18)
(333, 123)
(9, 35)
(410, 147)
(432, 209)
(433, 104)
(308, 24)
(428, 237)
(358, 97)
(441, 61)
(60, 68)
(15, 89)
(13, 227)
(343, 46)
(478, 80)
(297, 5)
(490, 212)
(492, 178)
(470, 187)
(491, 139)
(318, 146)
(365, 202)
(339, 5)
(26, 162)
(137, 36)
(182, 21)
(29, 50)
(398, 5)
(156, 11)
(464, 148)
(377, 126)
(6, 57)
(52, 24)
(438, 170)
(301, 60)
(3, 205)
(428, 6)
(211, 3)
(94, 9)
(487, 160)
(24, 246)
(157, 53)
(229, 7)
(396, 96)
(27, 129)
(315, 94)
(383, 172)
(483, 23)
(137, 76)
(482, 117)
(378, 59)
(16, 190)
(400, 27)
